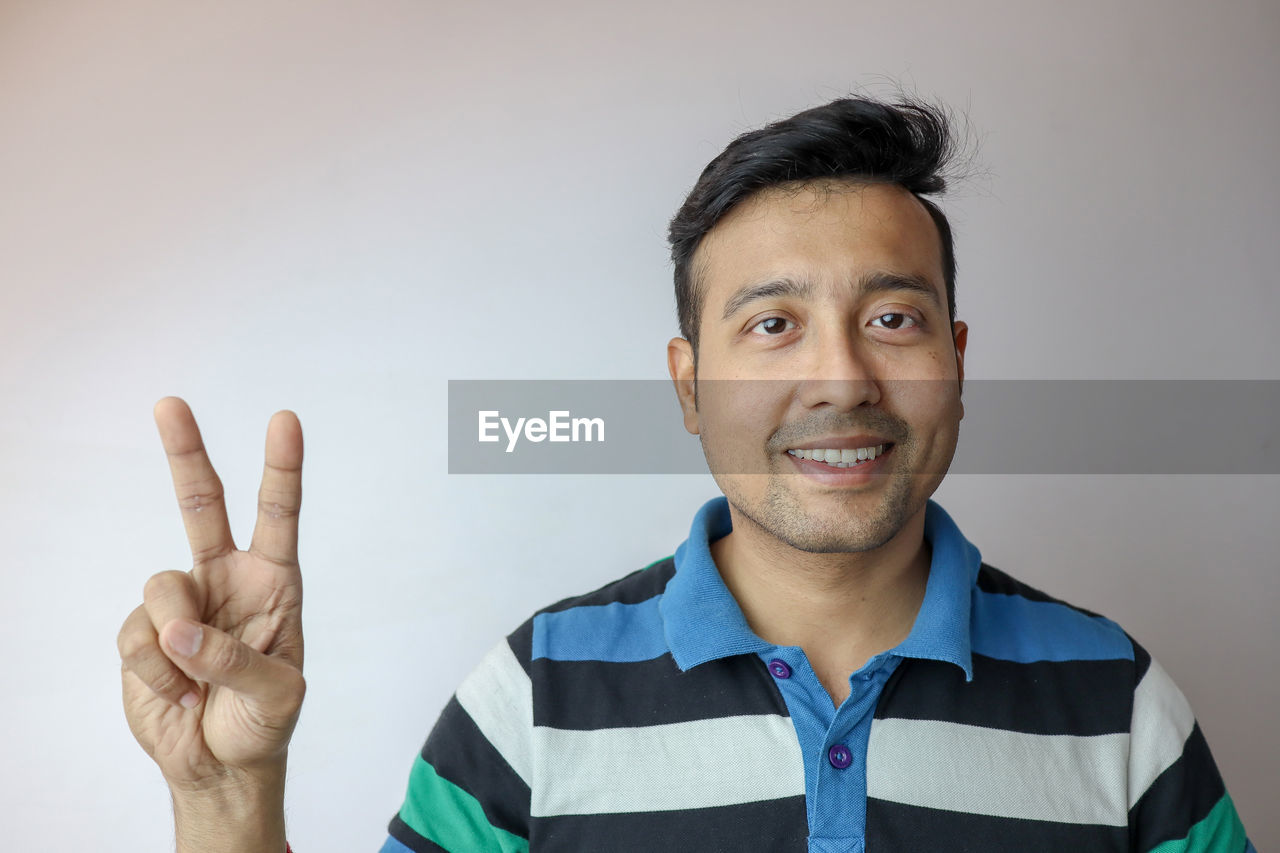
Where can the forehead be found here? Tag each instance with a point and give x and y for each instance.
(827, 233)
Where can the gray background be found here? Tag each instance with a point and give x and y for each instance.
(339, 206)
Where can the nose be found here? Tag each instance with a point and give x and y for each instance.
(839, 373)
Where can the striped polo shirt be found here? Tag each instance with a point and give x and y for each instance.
(647, 717)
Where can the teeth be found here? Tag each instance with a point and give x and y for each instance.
(840, 458)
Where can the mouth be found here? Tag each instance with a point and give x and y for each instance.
(835, 458)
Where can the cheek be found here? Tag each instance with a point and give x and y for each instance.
(932, 405)
(741, 409)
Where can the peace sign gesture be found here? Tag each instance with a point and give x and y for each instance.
(212, 659)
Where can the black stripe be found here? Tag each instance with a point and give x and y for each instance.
(991, 579)
(1043, 698)
(521, 642)
(636, 587)
(460, 753)
(913, 829)
(1180, 798)
(400, 831)
(1141, 662)
(605, 695)
(776, 826)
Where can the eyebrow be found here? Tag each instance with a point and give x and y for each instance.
(875, 282)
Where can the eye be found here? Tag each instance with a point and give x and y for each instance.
(773, 326)
(897, 324)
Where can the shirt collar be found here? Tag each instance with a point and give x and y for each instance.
(703, 622)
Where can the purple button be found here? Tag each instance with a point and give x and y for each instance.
(779, 668)
(839, 756)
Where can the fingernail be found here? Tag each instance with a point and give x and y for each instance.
(189, 701)
(185, 638)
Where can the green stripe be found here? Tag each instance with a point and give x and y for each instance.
(1219, 832)
(439, 810)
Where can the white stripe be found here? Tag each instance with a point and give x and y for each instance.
(1162, 721)
(498, 696)
(1001, 773)
(699, 764)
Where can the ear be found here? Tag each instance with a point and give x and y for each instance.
(960, 331)
(684, 376)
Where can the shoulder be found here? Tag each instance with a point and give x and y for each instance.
(497, 696)
(634, 588)
(597, 624)
(1017, 624)
(1014, 621)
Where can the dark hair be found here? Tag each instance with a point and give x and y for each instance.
(908, 143)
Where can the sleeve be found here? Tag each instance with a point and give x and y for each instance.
(468, 789)
(1177, 800)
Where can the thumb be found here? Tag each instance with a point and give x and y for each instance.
(206, 654)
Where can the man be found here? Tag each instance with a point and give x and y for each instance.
(825, 663)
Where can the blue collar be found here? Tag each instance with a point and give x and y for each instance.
(703, 622)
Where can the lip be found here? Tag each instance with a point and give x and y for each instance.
(856, 475)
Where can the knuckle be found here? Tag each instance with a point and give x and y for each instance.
(167, 682)
(164, 584)
(133, 643)
(195, 495)
(295, 688)
(277, 504)
(140, 655)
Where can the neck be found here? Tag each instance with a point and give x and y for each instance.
(842, 609)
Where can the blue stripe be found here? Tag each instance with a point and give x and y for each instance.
(1013, 628)
(393, 845)
(620, 633)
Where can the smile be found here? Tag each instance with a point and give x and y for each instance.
(841, 458)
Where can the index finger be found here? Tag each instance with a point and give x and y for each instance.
(200, 497)
(275, 535)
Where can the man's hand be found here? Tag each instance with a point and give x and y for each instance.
(212, 659)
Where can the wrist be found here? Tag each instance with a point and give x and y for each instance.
(244, 814)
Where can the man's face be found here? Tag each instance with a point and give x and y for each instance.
(808, 305)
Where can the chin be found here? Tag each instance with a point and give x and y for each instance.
(840, 542)
(831, 529)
